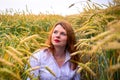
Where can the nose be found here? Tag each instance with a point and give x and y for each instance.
(58, 35)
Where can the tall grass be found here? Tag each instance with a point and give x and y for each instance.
(20, 36)
(98, 42)
(97, 33)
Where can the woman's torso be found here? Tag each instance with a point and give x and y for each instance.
(46, 59)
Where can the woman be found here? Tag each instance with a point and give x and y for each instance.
(56, 58)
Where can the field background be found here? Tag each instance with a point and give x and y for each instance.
(98, 41)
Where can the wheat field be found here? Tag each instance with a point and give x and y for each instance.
(97, 34)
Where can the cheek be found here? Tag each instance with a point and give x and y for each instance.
(52, 38)
(65, 40)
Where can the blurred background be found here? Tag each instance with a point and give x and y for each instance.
(25, 26)
(60, 7)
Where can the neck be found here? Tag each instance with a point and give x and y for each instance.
(59, 55)
(59, 52)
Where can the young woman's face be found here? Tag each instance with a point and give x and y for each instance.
(59, 36)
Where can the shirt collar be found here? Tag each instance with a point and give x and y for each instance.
(67, 56)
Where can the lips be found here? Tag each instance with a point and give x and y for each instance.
(56, 40)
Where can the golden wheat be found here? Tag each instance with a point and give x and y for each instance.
(14, 50)
(100, 36)
(81, 68)
(10, 73)
(85, 28)
(15, 57)
(114, 68)
(85, 67)
(101, 43)
(3, 61)
(29, 38)
(27, 53)
(47, 68)
(36, 42)
(32, 69)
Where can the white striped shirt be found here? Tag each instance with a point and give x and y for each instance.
(46, 59)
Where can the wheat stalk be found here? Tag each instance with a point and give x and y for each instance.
(32, 69)
(84, 67)
(27, 52)
(29, 38)
(100, 36)
(35, 41)
(85, 28)
(114, 68)
(47, 68)
(6, 62)
(81, 68)
(78, 52)
(10, 73)
(99, 44)
(15, 57)
(14, 50)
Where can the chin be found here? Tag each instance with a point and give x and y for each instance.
(59, 46)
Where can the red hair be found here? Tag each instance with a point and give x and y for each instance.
(71, 41)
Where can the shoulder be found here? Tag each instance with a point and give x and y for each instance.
(40, 53)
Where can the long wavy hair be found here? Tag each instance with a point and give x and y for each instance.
(71, 40)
